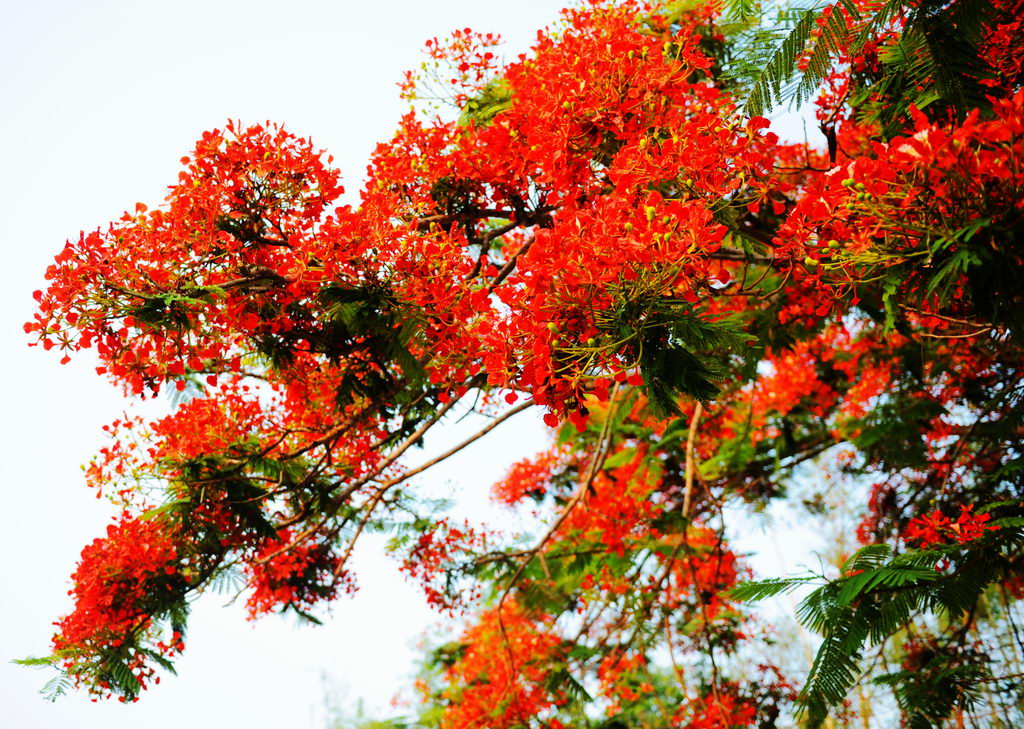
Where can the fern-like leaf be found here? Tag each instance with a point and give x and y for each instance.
(764, 589)
(780, 68)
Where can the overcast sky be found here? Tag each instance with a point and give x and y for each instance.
(101, 99)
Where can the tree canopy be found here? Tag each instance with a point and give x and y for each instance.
(606, 229)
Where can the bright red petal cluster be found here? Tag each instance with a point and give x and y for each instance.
(937, 528)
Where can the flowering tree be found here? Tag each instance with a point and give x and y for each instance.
(603, 229)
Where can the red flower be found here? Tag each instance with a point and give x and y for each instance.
(937, 528)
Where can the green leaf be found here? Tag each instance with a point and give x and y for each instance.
(163, 509)
(870, 556)
(763, 589)
(619, 459)
(781, 65)
(36, 662)
(56, 687)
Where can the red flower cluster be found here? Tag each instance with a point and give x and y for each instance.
(891, 205)
(530, 476)
(937, 528)
(115, 582)
(434, 560)
(499, 681)
(622, 678)
(121, 582)
(287, 573)
(721, 711)
(242, 218)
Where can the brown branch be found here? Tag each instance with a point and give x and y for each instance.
(408, 443)
(359, 530)
(691, 438)
(955, 336)
(734, 254)
(499, 231)
(510, 265)
(358, 484)
(508, 556)
(943, 317)
(600, 455)
(455, 449)
(480, 214)
(648, 605)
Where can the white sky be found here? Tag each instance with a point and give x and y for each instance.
(101, 99)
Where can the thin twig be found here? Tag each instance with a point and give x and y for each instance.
(691, 438)
(603, 443)
(358, 484)
(510, 265)
(455, 449)
(359, 529)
